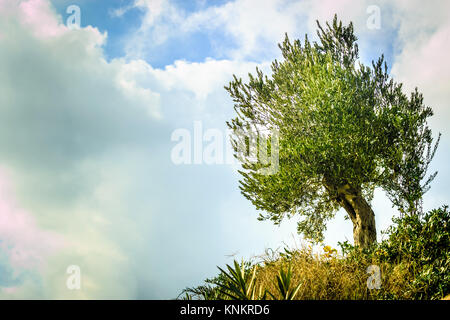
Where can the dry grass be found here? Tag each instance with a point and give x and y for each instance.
(329, 276)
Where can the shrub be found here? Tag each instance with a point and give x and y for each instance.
(423, 241)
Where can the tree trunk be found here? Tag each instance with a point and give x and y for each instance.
(360, 213)
(362, 216)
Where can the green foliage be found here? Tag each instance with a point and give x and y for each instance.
(236, 284)
(419, 242)
(239, 283)
(340, 123)
(425, 242)
(205, 292)
(286, 289)
(414, 262)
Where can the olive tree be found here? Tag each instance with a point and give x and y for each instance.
(344, 129)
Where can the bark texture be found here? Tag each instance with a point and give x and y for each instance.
(360, 213)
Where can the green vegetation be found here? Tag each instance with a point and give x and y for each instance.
(414, 262)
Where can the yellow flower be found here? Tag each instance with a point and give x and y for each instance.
(329, 251)
(381, 252)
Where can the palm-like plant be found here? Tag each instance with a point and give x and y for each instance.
(205, 292)
(240, 283)
(285, 286)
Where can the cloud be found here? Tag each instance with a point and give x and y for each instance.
(24, 245)
(159, 22)
(246, 22)
(62, 108)
(251, 23)
(421, 60)
(249, 29)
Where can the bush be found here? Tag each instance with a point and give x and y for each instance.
(425, 243)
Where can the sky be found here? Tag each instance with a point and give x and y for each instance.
(87, 116)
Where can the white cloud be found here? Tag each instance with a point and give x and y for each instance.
(422, 60)
(255, 26)
(248, 22)
(27, 246)
(62, 108)
(251, 23)
(160, 21)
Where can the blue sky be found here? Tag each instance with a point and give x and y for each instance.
(192, 46)
(87, 116)
(195, 47)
